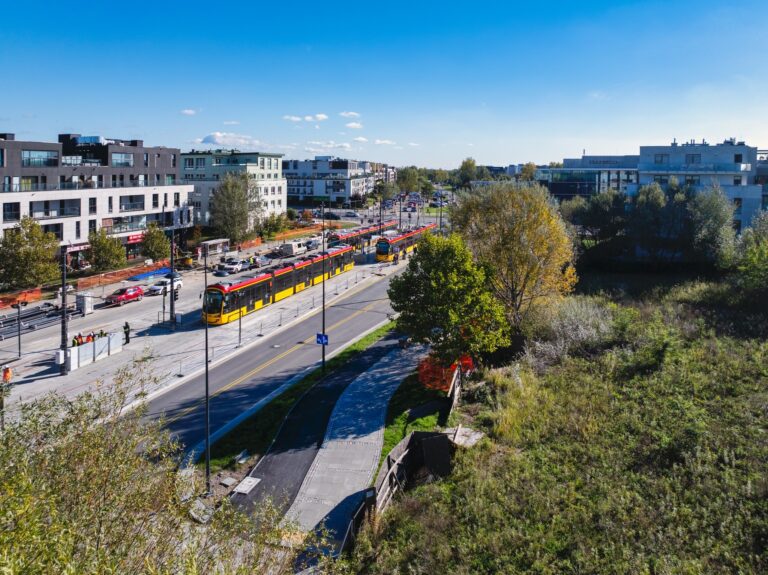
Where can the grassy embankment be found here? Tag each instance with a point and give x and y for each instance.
(256, 433)
(631, 438)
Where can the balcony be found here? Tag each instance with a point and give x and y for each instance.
(695, 168)
(133, 207)
(54, 214)
(62, 186)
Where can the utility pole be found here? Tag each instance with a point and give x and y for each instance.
(323, 254)
(173, 270)
(207, 394)
(18, 306)
(64, 368)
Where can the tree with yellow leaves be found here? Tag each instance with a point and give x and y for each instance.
(517, 231)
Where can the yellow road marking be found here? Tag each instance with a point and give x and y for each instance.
(265, 365)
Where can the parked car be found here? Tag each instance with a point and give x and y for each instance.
(232, 265)
(221, 273)
(350, 214)
(332, 216)
(162, 286)
(124, 295)
(258, 262)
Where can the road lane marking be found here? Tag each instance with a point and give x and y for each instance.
(264, 365)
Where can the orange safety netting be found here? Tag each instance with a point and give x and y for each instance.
(30, 295)
(435, 376)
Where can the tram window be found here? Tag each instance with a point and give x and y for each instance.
(213, 301)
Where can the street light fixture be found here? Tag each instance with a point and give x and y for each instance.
(18, 306)
(64, 368)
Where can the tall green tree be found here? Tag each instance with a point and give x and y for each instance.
(155, 244)
(528, 172)
(408, 179)
(752, 255)
(106, 252)
(467, 172)
(236, 207)
(443, 300)
(28, 255)
(483, 174)
(517, 232)
(713, 239)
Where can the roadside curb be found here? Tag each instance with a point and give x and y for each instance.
(193, 455)
(172, 381)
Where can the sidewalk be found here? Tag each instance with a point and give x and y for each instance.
(175, 355)
(346, 463)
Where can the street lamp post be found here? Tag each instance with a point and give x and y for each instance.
(64, 368)
(207, 395)
(322, 254)
(18, 307)
(173, 270)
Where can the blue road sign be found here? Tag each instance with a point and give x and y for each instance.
(322, 339)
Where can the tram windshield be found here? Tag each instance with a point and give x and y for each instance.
(382, 247)
(213, 301)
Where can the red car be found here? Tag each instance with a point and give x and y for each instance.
(123, 295)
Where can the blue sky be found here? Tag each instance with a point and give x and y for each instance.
(425, 83)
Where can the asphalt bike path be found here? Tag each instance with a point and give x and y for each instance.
(283, 468)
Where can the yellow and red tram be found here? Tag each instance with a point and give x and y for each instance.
(357, 237)
(227, 301)
(388, 246)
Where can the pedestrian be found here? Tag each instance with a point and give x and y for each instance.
(80, 340)
(127, 332)
(74, 341)
(102, 333)
(397, 257)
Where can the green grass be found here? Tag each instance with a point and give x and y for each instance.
(409, 395)
(256, 433)
(645, 454)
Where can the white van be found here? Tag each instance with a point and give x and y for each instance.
(293, 249)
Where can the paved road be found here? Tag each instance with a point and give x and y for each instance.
(241, 381)
(282, 471)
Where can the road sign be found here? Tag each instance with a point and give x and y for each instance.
(322, 339)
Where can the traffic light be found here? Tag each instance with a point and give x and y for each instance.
(175, 295)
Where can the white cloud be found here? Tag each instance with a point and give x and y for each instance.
(231, 139)
(292, 118)
(413, 144)
(384, 142)
(320, 117)
(360, 139)
(309, 118)
(326, 145)
(354, 125)
(231, 123)
(349, 114)
(189, 112)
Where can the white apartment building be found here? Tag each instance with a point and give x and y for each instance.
(83, 184)
(205, 170)
(732, 165)
(328, 179)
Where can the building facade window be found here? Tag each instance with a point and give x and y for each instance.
(737, 205)
(146, 160)
(109, 204)
(738, 158)
(737, 180)
(692, 180)
(155, 200)
(693, 158)
(91, 206)
(176, 199)
(189, 163)
(91, 226)
(173, 160)
(122, 160)
(11, 212)
(39, 158)
(661, 158)
(200, 163)
(77, 230)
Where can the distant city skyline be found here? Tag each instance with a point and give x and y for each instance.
(416, 83)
